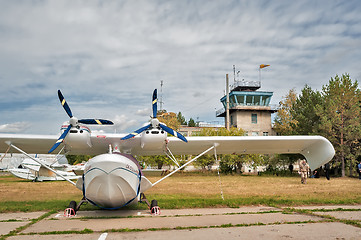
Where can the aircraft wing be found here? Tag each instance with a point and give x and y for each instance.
(316, 149)
(28, 143)
(31, 164)
(41, 144)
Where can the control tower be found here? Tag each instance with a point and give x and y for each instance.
(249, 109)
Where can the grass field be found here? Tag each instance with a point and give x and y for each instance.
(191, 190)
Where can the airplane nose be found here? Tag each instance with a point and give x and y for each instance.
(110, 190)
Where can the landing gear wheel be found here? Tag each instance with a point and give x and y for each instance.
(72, 205)
(71, 210)
(154, 208)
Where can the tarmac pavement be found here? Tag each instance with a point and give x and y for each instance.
(260, 222)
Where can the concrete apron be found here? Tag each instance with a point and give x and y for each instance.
(221, 218)
(11, 221)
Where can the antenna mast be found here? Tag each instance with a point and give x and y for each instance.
(234, 75)
(161, 96)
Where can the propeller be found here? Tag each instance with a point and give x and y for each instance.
(154, 123)
(73, 122)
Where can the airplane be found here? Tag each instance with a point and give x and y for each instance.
(32, 170)
(114, 179)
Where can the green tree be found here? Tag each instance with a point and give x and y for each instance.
(282, 161)
(233, 131)
(284, 121)
(155, 161)
(75, 159)
(340, 119)
(205, 161)
(181, 119)
(230, 162)
(191, 123)
(304, 113)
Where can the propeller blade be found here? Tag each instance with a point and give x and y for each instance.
(96, 121)
(154, 102)
(60, 140)
(135, 133)
(172, 132)
(65, 104)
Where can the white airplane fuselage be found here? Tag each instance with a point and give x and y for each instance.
(111, 181)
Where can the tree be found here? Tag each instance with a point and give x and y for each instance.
(282, 161)
(169, 119)
(191, 123)
(75, 159)
(230, 162)
(205, 161)
(303, 111)
(284, 121)
(181, 119)
(158, 161)
(340, 118)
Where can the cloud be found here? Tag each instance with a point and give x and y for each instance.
(14, 127)
(107, 60)
(122, 122)
(144, 112)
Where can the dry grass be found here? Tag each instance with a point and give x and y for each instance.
(15, 189)
(199, 186)
(248, 186)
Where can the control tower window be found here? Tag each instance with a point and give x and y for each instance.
(254, 118)
(257, 100)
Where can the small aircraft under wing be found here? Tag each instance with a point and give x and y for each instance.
(32, 170)
(113, 178)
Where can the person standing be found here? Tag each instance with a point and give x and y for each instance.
(304, 169)
(290, 167)
(327, 170)
(359, 170)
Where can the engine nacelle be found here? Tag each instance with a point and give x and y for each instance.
(78, 137)
(153, 139)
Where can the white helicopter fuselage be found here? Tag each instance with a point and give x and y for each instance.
(112, 180)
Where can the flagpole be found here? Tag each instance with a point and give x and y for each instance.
(261, 66)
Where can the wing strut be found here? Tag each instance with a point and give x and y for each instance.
(184, 165)
(5, 153)
(57, 156)
(219, 176)
(36, 160)
(171, 156)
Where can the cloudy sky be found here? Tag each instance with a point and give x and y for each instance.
(108, 56)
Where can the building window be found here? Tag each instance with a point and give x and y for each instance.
(254, 118)
(254, 134)
(265, 133)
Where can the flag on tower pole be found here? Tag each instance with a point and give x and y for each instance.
(259, 70)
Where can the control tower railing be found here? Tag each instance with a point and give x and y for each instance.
(271, 107)
(239, 85)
